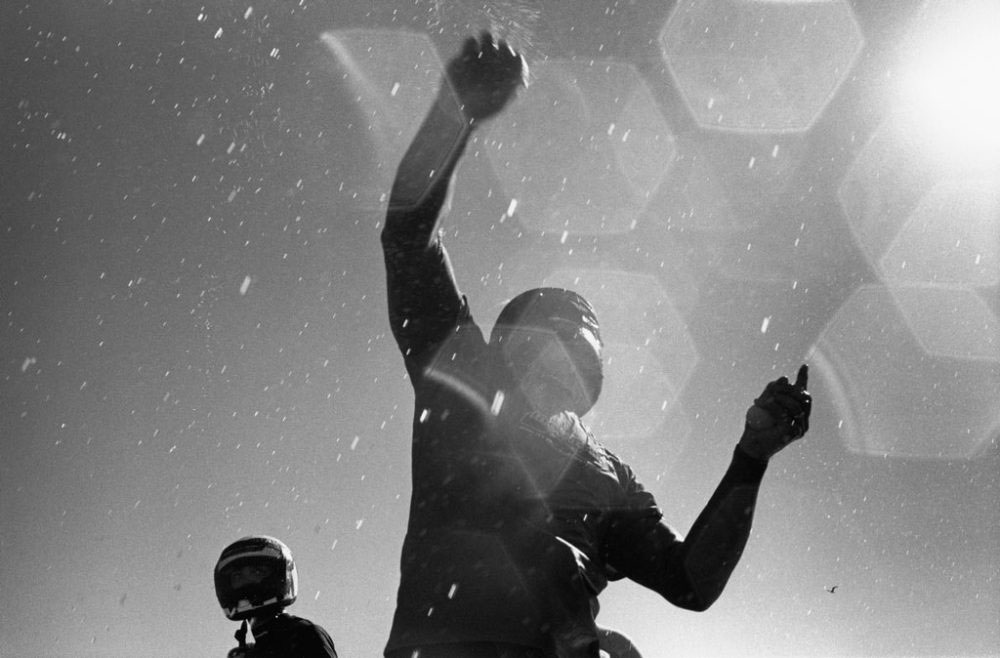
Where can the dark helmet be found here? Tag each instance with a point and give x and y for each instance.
(565, 314)
(255, 575)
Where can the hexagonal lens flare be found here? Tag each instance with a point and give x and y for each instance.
(893, 397)
(649, 352)
(584, 151)
(759, 66)
(953, 237)
(949, 322)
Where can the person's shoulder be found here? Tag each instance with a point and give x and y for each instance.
(310, 635)
(300, 622)
(293, 620)
(623, 472)
(595, 446)
(603, 455)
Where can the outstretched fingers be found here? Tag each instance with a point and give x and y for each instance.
(802, 379)
(470, 49)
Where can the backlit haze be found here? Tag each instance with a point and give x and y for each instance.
(195, 343)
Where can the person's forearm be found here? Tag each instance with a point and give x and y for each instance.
(716, 540)
(691, 572)
(432, 156)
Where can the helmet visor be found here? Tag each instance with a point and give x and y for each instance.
(248, 574)
(250, 584)
(565, 354)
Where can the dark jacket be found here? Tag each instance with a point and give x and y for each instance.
(288, 636)
(517, 522)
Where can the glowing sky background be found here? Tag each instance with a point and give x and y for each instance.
(194, 337)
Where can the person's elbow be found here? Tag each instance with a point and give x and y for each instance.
(697, 596)
(693, 602)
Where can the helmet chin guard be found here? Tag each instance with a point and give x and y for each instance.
(255, 576)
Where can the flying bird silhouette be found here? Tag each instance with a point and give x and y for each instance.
(832, 589)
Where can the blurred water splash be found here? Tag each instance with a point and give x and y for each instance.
(515, 21)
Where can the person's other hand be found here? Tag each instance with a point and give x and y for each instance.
(779, 416)
(485, 75)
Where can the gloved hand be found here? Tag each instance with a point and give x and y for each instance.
(484, 76)
(779, 416)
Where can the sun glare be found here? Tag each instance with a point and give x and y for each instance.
(950, 83)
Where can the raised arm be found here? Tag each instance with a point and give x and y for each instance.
(424, 301)
(692, 572)
(478, 83)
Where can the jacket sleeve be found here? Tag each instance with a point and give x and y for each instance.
(423, 297)
(691, 571)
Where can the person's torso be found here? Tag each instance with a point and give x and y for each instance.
(506, 514)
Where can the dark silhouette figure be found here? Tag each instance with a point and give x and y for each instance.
(518, 516)
(255, 580)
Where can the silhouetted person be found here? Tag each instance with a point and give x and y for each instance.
(518, 516)
(255, 580)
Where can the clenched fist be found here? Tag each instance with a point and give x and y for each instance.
(484, 76)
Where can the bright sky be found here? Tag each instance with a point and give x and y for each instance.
(949, 84)
(195, 343)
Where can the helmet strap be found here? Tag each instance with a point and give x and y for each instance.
(241, 635)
